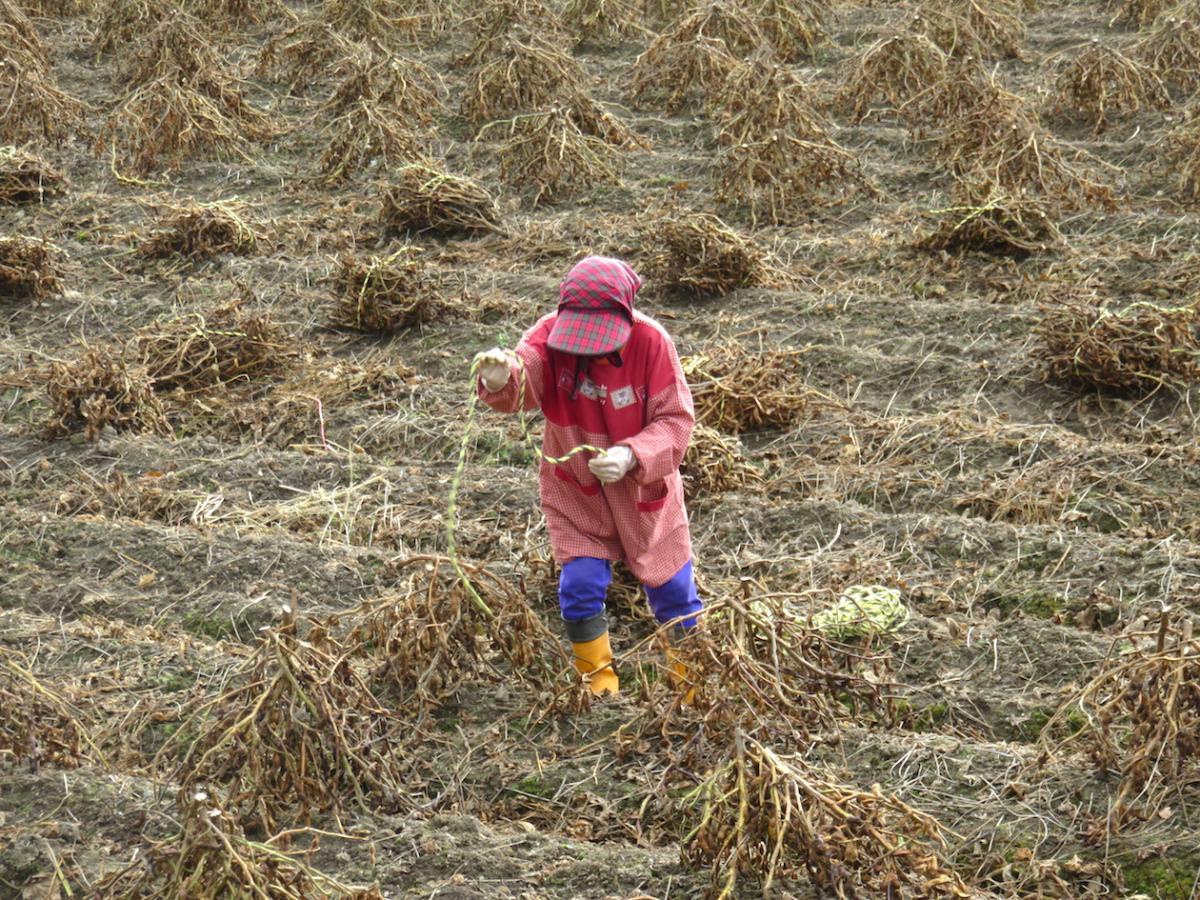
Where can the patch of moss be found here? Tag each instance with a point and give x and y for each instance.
(1037, 604)
(930, 717)
(537, 786)
(1163, 877)
(1031, 729)
(210, 625)
(171, 682)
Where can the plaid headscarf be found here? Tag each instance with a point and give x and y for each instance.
(595, 307)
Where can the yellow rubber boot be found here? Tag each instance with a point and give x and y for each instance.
(594, 661)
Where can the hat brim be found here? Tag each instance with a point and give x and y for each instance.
(589, 332)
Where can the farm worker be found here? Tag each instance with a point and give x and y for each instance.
(605, 375)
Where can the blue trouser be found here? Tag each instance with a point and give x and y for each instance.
(583, 585)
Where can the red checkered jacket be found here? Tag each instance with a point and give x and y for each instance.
(644, 404)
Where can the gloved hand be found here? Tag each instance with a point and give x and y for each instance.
(493, 368)
(612, 465)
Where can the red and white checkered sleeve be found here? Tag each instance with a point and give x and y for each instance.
(670, 417)
(526, 364)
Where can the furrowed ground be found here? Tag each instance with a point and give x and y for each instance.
(933, 268)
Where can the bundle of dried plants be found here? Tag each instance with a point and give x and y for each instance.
(762, 98)
(29, 269)
(772, 816)
(492, 24)
(1172, 49)
(211, 858)
(548, 152)
(31, 105)
(432, 637)
(777, 176)
(1183, 152)
(698, 255)
(383, 295)
(1140, 717)
(738, 390)
(197, 352)
(197, 231)
(696, 56)
(183, 103)
(603, 21)
(986, 218)
(714, 464)
(27, 178)
(894, 69)
(794, 28)
(1099, 81)
(757, 666)
(1140, 13)
(1139, 349)
(998, 141)
(364, 134)
(38, 725)
(100, 390)
(299, 731)
(521, 72)
(423, 198)
(120, 23)
(306, 52)
(981, 30)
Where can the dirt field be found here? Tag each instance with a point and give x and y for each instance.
(234, 657)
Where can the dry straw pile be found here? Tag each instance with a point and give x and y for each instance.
(100, 390)
(491, 26)
(1172, 48)
(1141, 719)
(199, 352)
(29, 269)
(738, 390)
(27, 178)
(1139, 349)
(377, 114)
(777, 154)
(772, 816)
(184, 102)
(520, 72)
(698, 255)
(895, 69)
(432, 638)
(1100, 81)
(979, 29)
(714, 464)
(423, 198)
(1183, 152)
(31, 105)
(603, 21)
(696, 56)
(384, 295)
(211, 858)
(757, 667)
(547, 151)
(988, 219)
(37, 724)
(306, 53)
(197, 231)
(300, 731)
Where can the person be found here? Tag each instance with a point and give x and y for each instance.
(605, 375)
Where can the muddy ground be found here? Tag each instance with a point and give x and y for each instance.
(1031, 525)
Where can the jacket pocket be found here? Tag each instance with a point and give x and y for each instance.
(653, 497)
(588, 490)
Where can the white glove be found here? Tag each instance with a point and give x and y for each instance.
(612, 465)
(493, 368)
